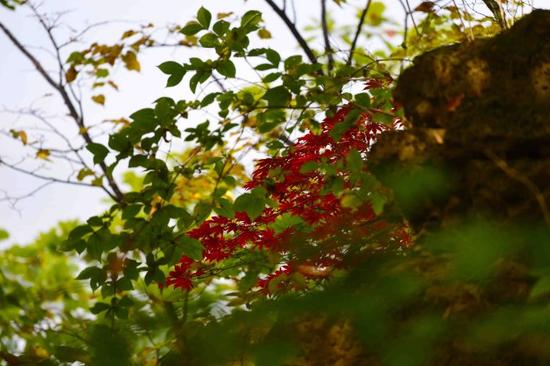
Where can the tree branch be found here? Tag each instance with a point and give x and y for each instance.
(324, 26)
(117, 194)
(497, 11)
(53, 179)
(292, 27)
(358, 32)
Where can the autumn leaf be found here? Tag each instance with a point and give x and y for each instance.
(99, 99)
(425, 7)
(128, 34)
(264, 33)
(83, 173)
(131, 61)
(119, 121)
(71, 74)
(43, 154)
(224, 15)
(112, 84)
(97, 181)
(22, 135)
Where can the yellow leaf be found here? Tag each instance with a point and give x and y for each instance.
(83, 173)
(350, 201)
(22, 135)
(425, 7)
(112, 84)
(119, 121)
(264, 33)
(128, 34)
(71, 74)
(97, 181)
(43, 154)
(41, 352)
(223, 15)
(131, 61)
(99, 99)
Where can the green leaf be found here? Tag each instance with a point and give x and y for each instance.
(95, 221)
(293, 61)
(363, 100)
(145, 114)
(102, 73)
(273, 56)
(285, 221)
(209, 40)
(224, 208)
(120, 143)
(250, 20)
(192, 248)
(99, 151)
(342, 127)
(226, 68)
(4, 235)
(377, 202)
(278, 96)
(171, 67)
(249, 203)
(263, 67)
(383, 118)
(221, 27)
(96, 275)
(191, 28)
(90, 272)
(271, 77)
(354, 160)
(375, 14)
(71, 354)
(154, 274)
(107, 346)
(79, 231)
(174, 79)
(204, 17)
(209, 99)
(99, 307)
(540, 288)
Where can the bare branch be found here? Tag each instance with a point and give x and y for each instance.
(292, 27)
(358, 32)
(498, 12)
(52, 179)
(31, 58)
(75, 115)
(324, 26)
(14, 200)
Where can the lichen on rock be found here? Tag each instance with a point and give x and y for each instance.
(489, 103)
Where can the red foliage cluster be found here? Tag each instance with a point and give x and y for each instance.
(327, 235)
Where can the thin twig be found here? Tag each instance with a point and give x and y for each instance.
(292, 27)
(13, 200)
(117, 194)
(43, 177)
(358, 32)
(324, 26)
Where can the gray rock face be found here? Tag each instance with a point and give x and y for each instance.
(480, 117)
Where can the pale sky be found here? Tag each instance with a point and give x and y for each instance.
(20, 86)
